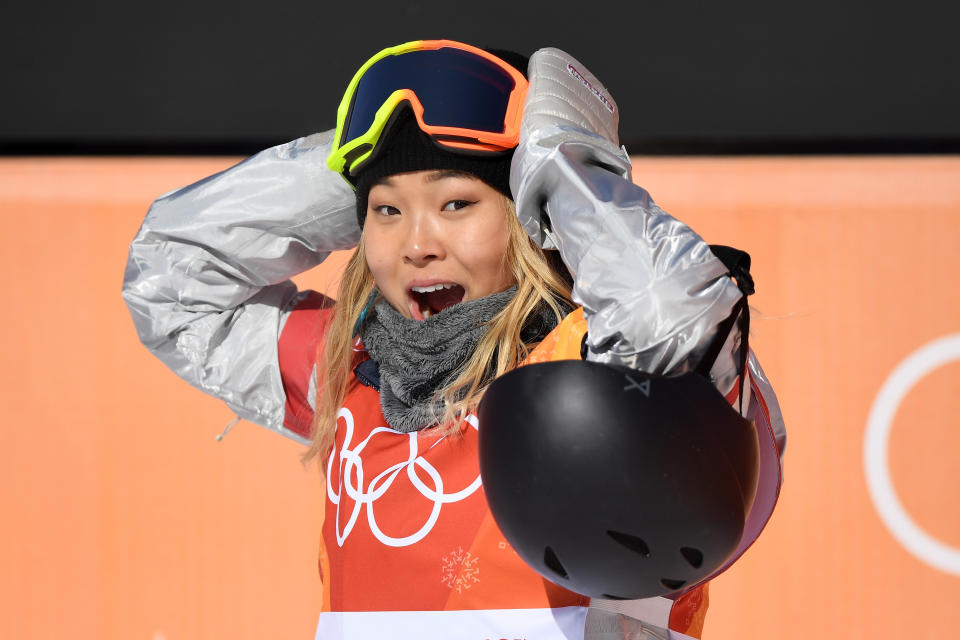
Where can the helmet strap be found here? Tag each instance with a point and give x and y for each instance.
(737, 263)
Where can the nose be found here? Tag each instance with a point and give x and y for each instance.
(424, 242)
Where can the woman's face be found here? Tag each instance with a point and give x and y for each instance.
(436, 238)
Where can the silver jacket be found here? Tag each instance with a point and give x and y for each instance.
(207, 279)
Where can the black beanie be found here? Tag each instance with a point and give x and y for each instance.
(405, 147)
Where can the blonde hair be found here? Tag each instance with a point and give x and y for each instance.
(539, 281)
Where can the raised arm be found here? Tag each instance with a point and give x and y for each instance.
(654, 295)
(206, 280)
(652, 291)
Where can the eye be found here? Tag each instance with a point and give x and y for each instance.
(386, 210)
(456, 205)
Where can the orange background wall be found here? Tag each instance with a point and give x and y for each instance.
(124, 518)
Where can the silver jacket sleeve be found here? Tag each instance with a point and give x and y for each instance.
(207, 279)
(652, 291)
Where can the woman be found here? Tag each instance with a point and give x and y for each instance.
(454, 282)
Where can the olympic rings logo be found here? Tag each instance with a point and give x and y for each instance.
(875, 460)
(364, 495)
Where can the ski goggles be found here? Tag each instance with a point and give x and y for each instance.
(465, 98)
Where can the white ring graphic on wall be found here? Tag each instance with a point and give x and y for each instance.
(876, 462)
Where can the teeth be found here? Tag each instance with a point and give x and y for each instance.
(435, 287)
(427, 313)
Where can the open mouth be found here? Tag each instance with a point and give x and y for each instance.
(427, 300)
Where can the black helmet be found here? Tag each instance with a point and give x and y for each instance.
(613, 483)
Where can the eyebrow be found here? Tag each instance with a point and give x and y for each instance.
(449, 173)
(433, 176)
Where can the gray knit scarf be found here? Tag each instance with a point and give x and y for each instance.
(417, 358)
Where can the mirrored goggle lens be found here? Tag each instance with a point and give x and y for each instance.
(456, 88)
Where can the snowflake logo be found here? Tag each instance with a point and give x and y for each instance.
(459, 570)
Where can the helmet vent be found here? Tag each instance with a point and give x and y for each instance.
(693, 556)
(673, 585)
(553, 563)
(635, 544)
